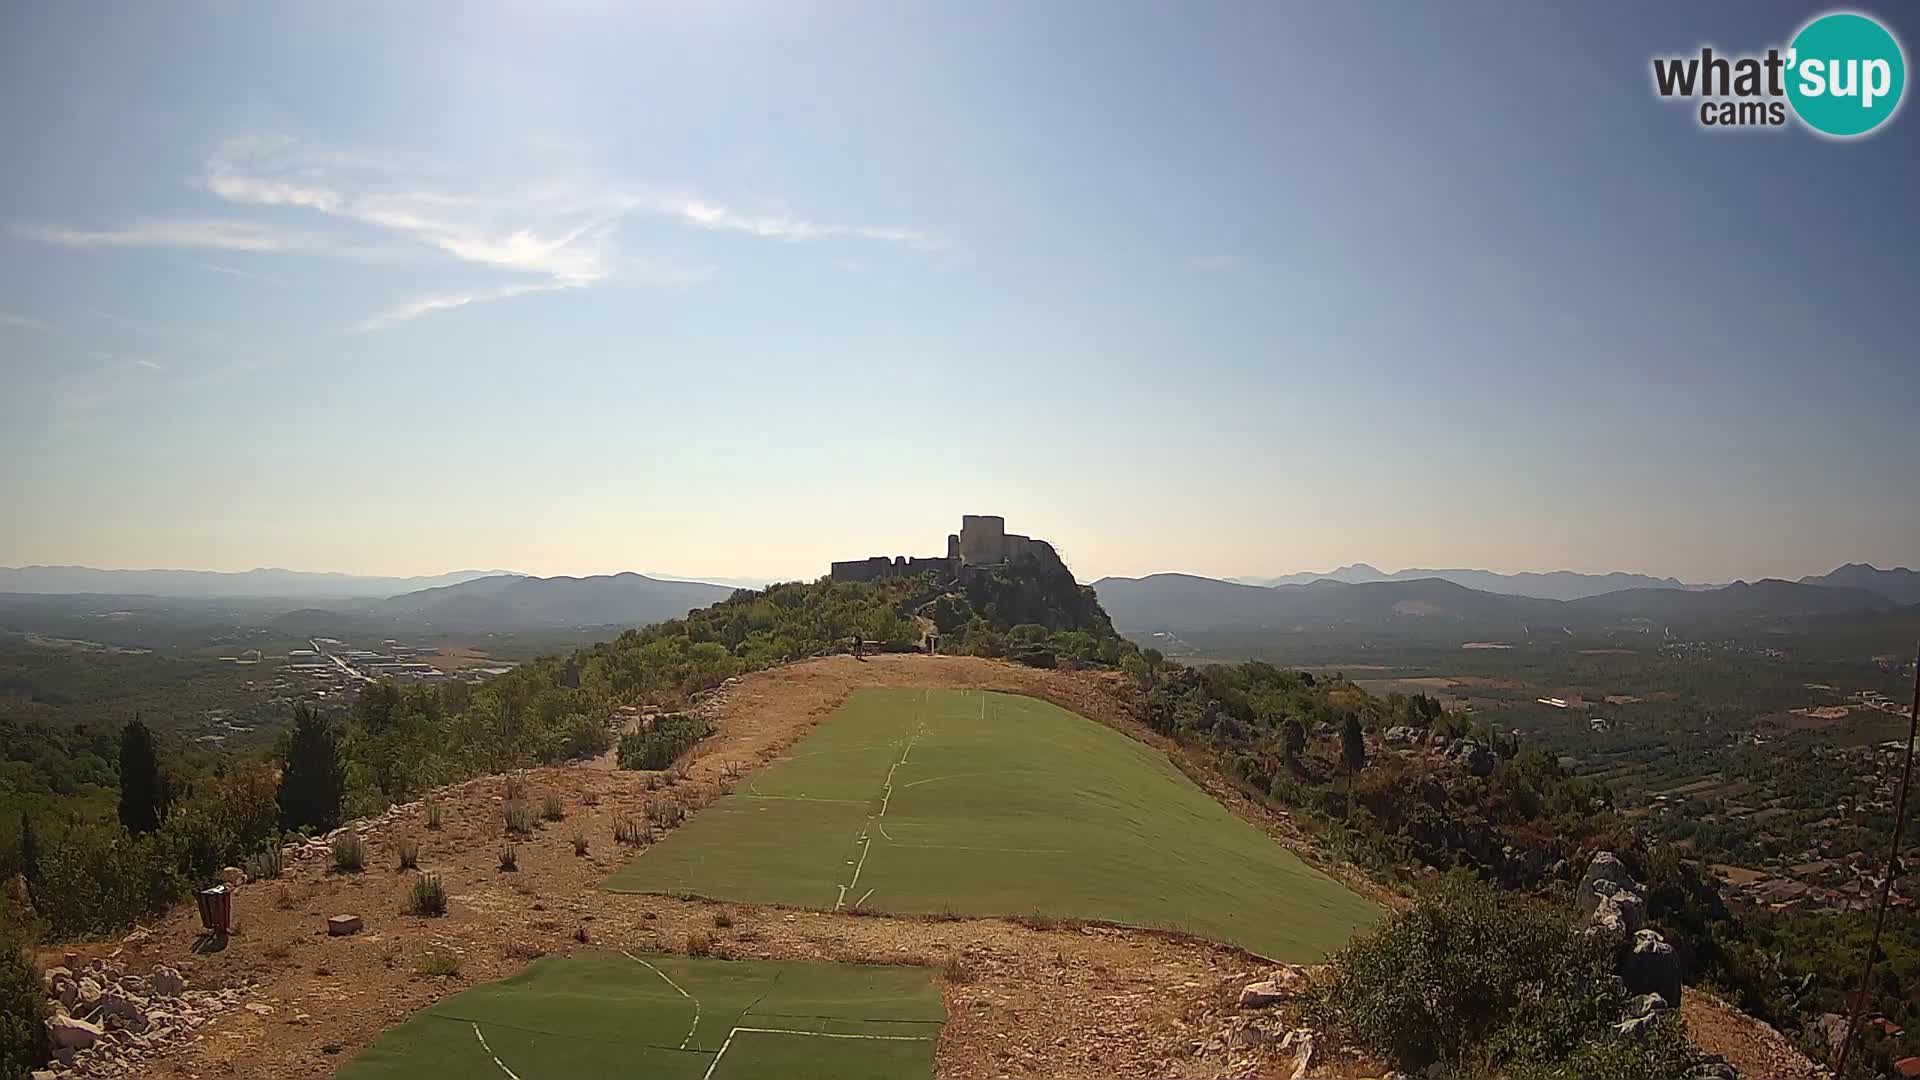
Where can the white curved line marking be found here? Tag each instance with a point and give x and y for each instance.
(815, 1034)
(676, 986)
(491, 1054)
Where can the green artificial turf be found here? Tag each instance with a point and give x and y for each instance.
(928, 801)
(613, 1014)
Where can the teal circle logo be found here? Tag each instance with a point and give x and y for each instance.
(1845, 74)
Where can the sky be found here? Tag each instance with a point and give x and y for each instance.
(736, 289)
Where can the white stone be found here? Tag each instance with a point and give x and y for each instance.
(165, 981)
(68, 1033)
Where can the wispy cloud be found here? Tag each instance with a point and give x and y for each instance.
(550, 234)
(8, 318)
(218, 234)
(231, 271)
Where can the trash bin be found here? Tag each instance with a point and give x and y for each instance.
(216, 910)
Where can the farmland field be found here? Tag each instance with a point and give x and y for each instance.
(604, 1014)
(976, 803)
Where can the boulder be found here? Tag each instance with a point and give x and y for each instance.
(1652, 967)
(1605, 867)
(89, 994)
(53, 973)
(165, 981)
(131, 1014)
(1473, 757)
(233, 876)
(71, 1034)
(1284, 984)
(1623, 913)
(1306, 1052)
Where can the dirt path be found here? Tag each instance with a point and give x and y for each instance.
(1023, 1001)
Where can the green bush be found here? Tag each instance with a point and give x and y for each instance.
(427, 896)
(1663, 1053)
(673, 734)
(1469, 977)
(23, 1005)
(509, 859)
(409, 852)
(438, 963)
(432, 809)
(551, 808)
(349, 853)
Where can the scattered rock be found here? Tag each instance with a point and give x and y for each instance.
(166, 982)
(89, 994)
(1647, 1005)
(1281, 987)
(72, 1034)
(233, 876)
(258, 1008)
(342, 925)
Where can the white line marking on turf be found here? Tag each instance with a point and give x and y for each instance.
(863, 898)
(814, 1034)
(886, 797)
(676, 986)
(491, 1054)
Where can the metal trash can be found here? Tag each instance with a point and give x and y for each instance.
(216, 910)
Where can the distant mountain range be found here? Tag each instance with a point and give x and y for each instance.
(1900, 585)
(1436, 607)
(265, 582)
(1554, 585)
(516, 601)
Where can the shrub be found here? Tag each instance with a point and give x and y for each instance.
(699, 943)
(23, 1004)
(439, 963)
(427, 896)
(672, 734)
(590, 798)
(579, 843)
(509, 859)
(519, 819)
(956, 969)
(268, 865)
(409, 851)
(432, 809)
(1469, 974)
(722, 920)
(551, 808)
(349, 853)
(1662, 1053)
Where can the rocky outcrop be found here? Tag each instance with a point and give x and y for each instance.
(1472, 756)
(1616, 906)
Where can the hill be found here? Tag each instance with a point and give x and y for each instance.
(1435, 608)
(1900, 585)
(627, 599)
(1552, 585)
(264, 582)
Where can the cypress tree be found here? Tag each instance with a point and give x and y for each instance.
(313, 778)
(143, 796)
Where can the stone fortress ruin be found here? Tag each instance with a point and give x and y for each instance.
(982, 542)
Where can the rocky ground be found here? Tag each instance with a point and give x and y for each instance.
(281, 997)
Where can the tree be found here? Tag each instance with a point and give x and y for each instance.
(313, 777)
(143, 794)
(1295, 735)
(29, 850)
(1353, 750)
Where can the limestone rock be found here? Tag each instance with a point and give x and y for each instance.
(166, 982)
(89, 994)
(71, 1034)
(130, 1013)
(1281, 987)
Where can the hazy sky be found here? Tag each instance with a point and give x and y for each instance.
(737, 289)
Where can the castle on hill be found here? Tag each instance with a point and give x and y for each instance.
(982, 542)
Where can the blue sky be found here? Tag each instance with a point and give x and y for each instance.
(1224, 288)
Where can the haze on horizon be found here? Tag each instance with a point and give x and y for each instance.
(742, 290)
